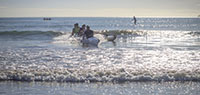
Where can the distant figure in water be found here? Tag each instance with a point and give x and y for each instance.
(134, 19)
(75, 30)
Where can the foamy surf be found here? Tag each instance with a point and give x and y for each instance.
(100, 65)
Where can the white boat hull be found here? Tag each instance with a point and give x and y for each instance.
(93, 41)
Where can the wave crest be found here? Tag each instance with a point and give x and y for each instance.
(122, 32)
(194, 33)
(72, 75)
(27, 33)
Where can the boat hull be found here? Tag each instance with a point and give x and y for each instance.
(92, 41)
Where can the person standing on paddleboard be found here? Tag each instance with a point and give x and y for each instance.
(134, 19)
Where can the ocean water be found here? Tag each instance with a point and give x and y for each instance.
(136, 88)
(163, 52)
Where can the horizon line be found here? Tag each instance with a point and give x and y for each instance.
(100, 16)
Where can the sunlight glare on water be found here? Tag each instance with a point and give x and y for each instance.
(152, 50)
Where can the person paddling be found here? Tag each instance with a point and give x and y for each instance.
(89, 33)
(89, 39)
(75, 30)
(82, 30)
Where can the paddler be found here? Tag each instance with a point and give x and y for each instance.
(75, 30)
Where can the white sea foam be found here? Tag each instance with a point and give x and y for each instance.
(100, 65)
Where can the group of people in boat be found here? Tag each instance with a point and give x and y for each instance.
(82, 31)
(87, 35)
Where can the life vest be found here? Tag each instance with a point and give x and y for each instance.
(76, 30)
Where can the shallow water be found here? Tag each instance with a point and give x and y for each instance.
(140, 56)
(136, 88)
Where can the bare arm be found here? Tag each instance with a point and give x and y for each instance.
(72, 32)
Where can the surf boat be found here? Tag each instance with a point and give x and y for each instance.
(92, 41)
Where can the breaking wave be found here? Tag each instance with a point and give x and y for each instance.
(122, 32)
(28, 33)
(194, 33)
(104, 32)
(99, 65)
(84, 75)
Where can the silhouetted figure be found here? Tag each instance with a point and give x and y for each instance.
(88, 33)
(134, 19)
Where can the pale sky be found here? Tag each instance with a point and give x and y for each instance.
(99, 8)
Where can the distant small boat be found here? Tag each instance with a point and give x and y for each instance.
(46, 18)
